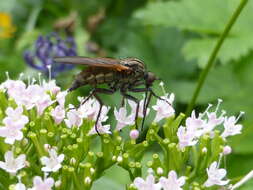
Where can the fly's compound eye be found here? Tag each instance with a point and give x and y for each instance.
(150, 78)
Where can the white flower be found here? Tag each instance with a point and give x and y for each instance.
(90, 110)
(200, 126)
(103, 116)
(133, 106)
(53, 162)
(195, 124)
(148, 184)
(31, 96)
(87, 180)
(10, 134)
(20, 186)
(51, 87)
(43, 103)
(122, 118)
(14, 88)
(74, 118)
(39, 184)
(227, 150)
(163, 109)
(134, 134)
(215, 176)
(60, 97)
(11, 164)
(15, 118)
(213, 121)
(172, 182)
(87, 109)
(58, 113)
(102, 129)
(185, 137)
(231, 128)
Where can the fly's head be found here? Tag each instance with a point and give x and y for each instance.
(150, 78)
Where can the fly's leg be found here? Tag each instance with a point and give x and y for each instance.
(95, 93)
(145, 104)
(99, 111)
(147, 100)
(129, 97)
(149, 90)
(158, 97)
(87, 98)
(145, 107)
(122, 101)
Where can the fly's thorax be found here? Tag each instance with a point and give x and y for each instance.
(135, 64)
(124, 79)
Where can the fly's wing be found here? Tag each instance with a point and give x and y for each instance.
(93, 62)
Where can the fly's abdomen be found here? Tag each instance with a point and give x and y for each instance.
(98, 78)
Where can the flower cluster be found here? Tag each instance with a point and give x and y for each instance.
(48, 47)
(205, 123)
(48, 144)
(172, 182)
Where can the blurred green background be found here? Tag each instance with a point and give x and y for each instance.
(173, 37)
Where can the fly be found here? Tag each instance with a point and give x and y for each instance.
(124, 75)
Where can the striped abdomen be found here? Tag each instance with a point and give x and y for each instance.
(98, 78)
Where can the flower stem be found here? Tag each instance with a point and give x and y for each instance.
(213, 55)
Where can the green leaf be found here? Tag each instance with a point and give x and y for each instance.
(207, 19)
(220, 83)
(200, 49)
(115, 178)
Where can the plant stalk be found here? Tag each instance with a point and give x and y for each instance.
(213, 55)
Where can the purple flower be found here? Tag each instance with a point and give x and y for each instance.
(48, 47)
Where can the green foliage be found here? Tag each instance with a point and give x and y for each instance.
(207, 20)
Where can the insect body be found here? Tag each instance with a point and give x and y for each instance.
(125, 75)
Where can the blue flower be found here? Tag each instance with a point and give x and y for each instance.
(48, 47)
